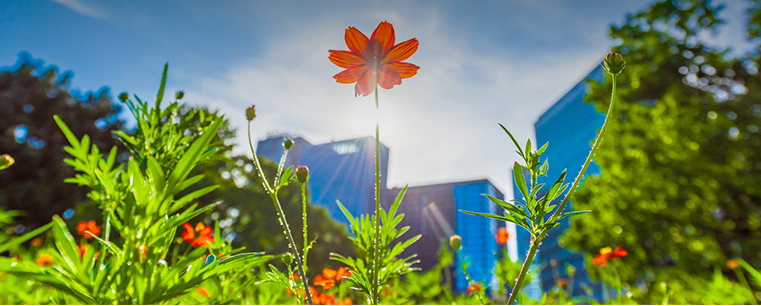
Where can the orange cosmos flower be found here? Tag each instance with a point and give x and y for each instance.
(90, 226)
(342, 272)
(324, 299)
(36, 241)
(203, 237)
(607, 253)
(474, 288)
(326, 283)
(202, 291)
(347, 301)
(620, 252)
(44, 260)
(502, 235)
(375, 60)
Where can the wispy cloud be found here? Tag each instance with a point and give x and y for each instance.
(81, 7)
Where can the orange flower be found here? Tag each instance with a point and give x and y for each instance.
(202, 291)
(474, 288)
(143, 250)
(562, 283)
(502, 235)
(620, 252)
(347, 301)
(374, 61)
(36, 242)
(326, 283)
(45, 260)
(83, 250)
(324, 299)
(91, 226)
(732, 264)
(342, 272)
(203, 237)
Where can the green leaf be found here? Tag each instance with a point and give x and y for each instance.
(573, 213)
(191, 156)
(517, 145)
(491, 216)
(67, 132)
(17, 241)
(520, 181)
(507, 206)
(65, 243)
(110, 245)
(395, 207)
(160, 95)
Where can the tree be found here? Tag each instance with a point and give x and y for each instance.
(29, 97)
(681, 164)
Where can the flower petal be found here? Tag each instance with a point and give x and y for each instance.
(345, 59)
(189, 234)
(387, 78)
(356, 41)
(385, 34)
(351, 75)
(405, 70)
(402, 51)
(366, 84)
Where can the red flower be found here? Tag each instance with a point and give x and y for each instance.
(502, 235)
(374, 61)
(203, 237)
(620, 252)
(474, 288)
(90, 226)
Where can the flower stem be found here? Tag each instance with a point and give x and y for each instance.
(304, 218)
(279, 210)
(376, 257)
(538, 240)
(467, 276)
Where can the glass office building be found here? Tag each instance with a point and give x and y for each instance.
(434, 212)
(570, 126)
(340, 170)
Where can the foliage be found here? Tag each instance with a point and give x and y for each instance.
(681, 169)
(364, 230)
(30, 94)
(140, 204)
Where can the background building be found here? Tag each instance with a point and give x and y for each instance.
(340, 170)
(570, 126)
(433, 212)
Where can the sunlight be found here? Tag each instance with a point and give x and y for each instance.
(363, 118)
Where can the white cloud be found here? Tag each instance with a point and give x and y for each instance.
(82, 8)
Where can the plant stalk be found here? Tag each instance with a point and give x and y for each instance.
(467, 276)
(273, 195)
(375, 298)
(536, 242)
(304, 218)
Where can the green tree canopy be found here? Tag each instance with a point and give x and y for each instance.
(681, 162)
(30, 94)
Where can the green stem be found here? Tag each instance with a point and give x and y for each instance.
(376, 250)
(536, 242)
(304, 218)
(280, 169)
(590, 156)
(273, 195)
(744, 282)
(467, 276)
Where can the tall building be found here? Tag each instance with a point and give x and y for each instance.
(434, 212)
(570, 126)
(340, 170)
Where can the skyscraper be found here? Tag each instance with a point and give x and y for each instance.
(570, 126)
(340, 170)
(434, 212)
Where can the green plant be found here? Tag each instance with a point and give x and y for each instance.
(141, 215)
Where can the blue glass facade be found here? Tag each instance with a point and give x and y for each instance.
(341, 170)
(569, 126)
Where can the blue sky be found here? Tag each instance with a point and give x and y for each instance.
(481, 63)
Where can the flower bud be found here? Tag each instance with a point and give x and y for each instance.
(287, 259)
(6, 161)
(251, 113)
(288, 143)
(123, 97)
(732, 264)
(614, 63)
(302, 173)
(179, 95)
(455, 242)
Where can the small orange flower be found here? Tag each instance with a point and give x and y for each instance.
(36, 242)
(203, 237)
(607, 253)
(376, 60)
(502, 235)
(202, 291)
(143, 250)
(326, 283)
(83, 250)
(732, 264)
(90, 226)
(324, 299)
(347, 301)
(474, 288)
(341, 273)
(562, 283)
(45, 260)
(620, 252)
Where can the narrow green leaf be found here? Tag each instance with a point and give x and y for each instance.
(573, 213)
(110, 245)
(160, 95)
(520, 181)
(191, 156)
(67, 132)
(395, 207)
(490, 216)
(17, 241)
(517, 145)
(65, 243)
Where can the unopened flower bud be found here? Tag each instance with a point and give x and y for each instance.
(302, 173)
(251, 113)
(287, 259)
(614, 63)
(6, 161)
(179, 95)
(455, 242)
(288, 143)
(123, 97)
